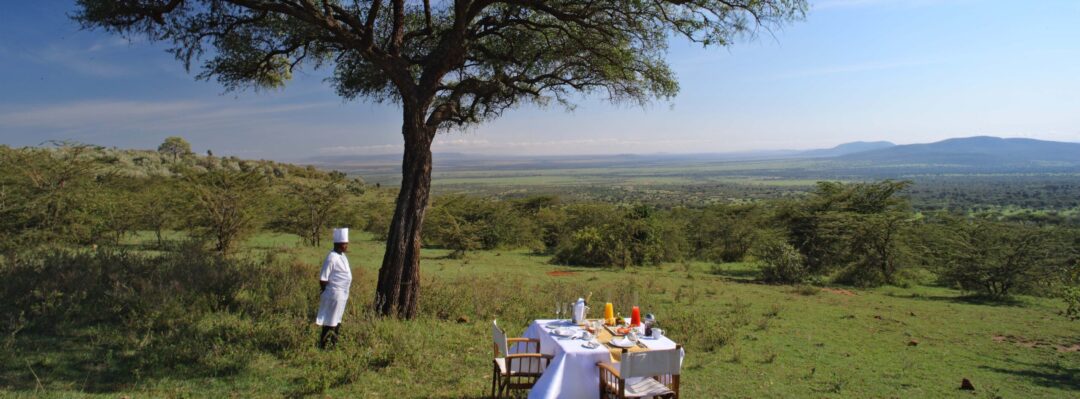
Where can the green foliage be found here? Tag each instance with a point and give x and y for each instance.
(606, 235)
(309, 209)
(226, 205)
(450, 57)
(47, 195)
(462, 223)
(157, 206)
(724, 232)
(176, 147)
(199, 325)
(998, 258)
(857, 228)
(374, 212)
(1071, 293)
(781, 262)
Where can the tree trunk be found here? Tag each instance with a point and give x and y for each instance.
(399, 276)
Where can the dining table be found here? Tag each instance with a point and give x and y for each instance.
(572, 372)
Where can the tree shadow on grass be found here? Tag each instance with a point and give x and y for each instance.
(735, 274)
(1046, 374)
(964, 299)
(85, 364)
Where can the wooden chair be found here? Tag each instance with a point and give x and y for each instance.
(658, 371)
(515, 370)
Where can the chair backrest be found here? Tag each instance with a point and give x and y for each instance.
(500, 339)
(651, 363)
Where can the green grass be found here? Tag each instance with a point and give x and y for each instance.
(743, 339)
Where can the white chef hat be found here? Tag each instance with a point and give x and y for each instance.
(341, 235)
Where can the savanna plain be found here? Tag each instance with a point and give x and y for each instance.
(130, 310)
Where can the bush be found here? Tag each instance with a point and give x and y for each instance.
(998, 259)
(1072, 302)
(462, 223)
(606, 235)
(724, 233)
(780, 261)
(184, 312)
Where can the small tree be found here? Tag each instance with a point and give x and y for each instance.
(780, 261)
(998, 258)
(1071, 291)
(857, 226)
(46, 194)
(454, 232)
(157, 207)
(175, 146)
(226, 205)
(310, 207)
(723, 232)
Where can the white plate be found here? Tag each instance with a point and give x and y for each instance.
(622, 343)
(565, 332)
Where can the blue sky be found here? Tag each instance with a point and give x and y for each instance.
(900, 70)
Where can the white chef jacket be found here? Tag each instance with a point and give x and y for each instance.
(338, 275)
(336, 272)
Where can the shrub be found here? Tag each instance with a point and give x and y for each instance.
(780, 261)
(997, 259)
(606, 235)
(184, 312)
(462, 223)
(1072, 302)
(724, 233)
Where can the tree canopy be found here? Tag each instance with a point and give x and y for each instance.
(175, 146)
(468, 60)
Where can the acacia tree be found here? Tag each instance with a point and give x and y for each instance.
(311, 207)
(445, 63)
(175, 146)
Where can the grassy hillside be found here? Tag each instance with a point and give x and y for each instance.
(743, 339)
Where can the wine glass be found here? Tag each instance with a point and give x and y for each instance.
(632, 336)
(558, 311)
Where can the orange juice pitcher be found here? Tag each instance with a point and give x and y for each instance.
(609, 314)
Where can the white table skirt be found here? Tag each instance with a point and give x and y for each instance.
(572, 372)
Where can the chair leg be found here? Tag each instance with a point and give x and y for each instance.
(494, 381)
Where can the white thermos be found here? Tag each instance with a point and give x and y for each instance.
(579, 311)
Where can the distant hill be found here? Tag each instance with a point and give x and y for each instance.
(456, 160)
(844, 149)
(860, 159)
(975, 151)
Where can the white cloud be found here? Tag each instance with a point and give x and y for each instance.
(599, 145)
(852, 68)
(828, 4)
(144, 116)
(94, 113)
(83, 61)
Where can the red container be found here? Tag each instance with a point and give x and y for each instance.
(635, 317)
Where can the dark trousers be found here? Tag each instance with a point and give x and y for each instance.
(326, 333)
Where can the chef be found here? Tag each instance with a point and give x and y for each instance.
(334, 281)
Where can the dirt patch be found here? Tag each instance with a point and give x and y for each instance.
(838, 291)
(1021, 341)
(1030, 343)
(560, 273)
(1067, 349)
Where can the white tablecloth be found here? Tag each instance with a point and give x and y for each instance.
(572, 372)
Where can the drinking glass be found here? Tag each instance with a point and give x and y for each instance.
(558, 311)
(632, 336)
